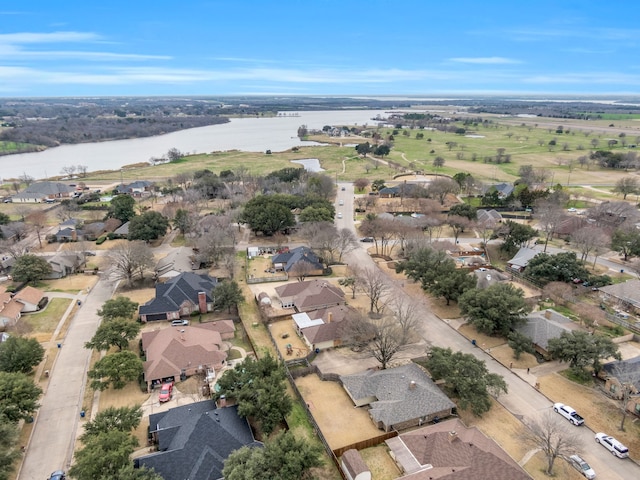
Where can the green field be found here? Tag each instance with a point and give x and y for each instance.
(7, 148)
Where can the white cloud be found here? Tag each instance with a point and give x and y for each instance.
(53, 37)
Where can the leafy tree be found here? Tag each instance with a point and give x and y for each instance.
(520, 344)
(464, 210)
(626, 241)
(267, 215)
(29, 268)
(363, 149)
(114, 333)
(516, 235)
(282, 458)
(437, 273)
(122, 208)
(466, 377)
(103, 455)
(119, 307)
(19, 354)
(496, 309)
(351, 283)
(149, 226)
(9, 451)
(4, 219)
(627, 185)
(317, 214)
(116, 370)
(18, 396)
(553, 438)
(377, 185)
(382, 150)
(123, 419)
(581, 349)
(183, 221)
(562, 267)
(227, 295)
(129, 472)
(260, 390)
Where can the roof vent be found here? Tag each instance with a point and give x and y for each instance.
(453, 435)
(412, 385)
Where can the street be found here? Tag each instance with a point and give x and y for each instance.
(523, 400)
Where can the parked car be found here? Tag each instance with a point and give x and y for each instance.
(614, 446)
(569, 413)
(367, 239)
(583, 467)
(90, 254)
(341, 202)
(57, 475)
(179, 323)
(339, 214)
(343, 189)
(165, 392)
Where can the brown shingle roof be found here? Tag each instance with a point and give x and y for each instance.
(354, 463)
(29, 294)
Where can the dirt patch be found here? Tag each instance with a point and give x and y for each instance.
(601, 413)
(504, 355)
(284, 334)
(71, 283)
(139, 296)
(128, 396)
(380, 463)
(341, 423)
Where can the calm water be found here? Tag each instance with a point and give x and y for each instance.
(247, 134)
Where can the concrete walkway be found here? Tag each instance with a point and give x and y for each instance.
(56, 423)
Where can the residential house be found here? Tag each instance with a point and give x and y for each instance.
(503, 189)
(301, 258)
(569, 225)
(398, 398)
(520, 261)
(179, 352)
(541, 326)
(65, 263)
(354, 466)
(12, 306)
(621, 375)
(122, 231)
(180, 296)
(42, 191)
(310, 295)
(92, 231)
(451, 451)
(136, 189)
(177, 261)
(488, 217)
(324, 328)
(10, 231)
(67, 234)
(625, 295)
(194, 440)
(488, 276)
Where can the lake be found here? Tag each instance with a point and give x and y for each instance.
(252, 134)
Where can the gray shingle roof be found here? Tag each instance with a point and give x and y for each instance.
(172, 293)
(300, 254)
(195, 440)
(396, 402)
(625, 371)
(48, 188)
(541, 329)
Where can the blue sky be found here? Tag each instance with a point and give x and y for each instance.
(320, 47)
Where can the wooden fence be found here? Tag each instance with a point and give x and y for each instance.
(369, 442)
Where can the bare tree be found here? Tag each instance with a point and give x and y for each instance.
(374, 286)
(23, 211)
(26, 179)
(589, 239)
(345, 242)
(68, 170)
(301, 270)
(129, 260)
(549, 215)
(553, 438)
(82, 170)
(623, 380)
(38, 220)
(361, 183)
(441, 187)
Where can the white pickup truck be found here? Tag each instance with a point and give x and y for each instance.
(569, 413)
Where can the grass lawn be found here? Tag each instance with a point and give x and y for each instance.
(42, 324)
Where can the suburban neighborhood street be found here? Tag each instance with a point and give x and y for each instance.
(523, 400)
(56, 422)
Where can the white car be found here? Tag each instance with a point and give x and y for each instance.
(572, 210)
(583, 467)
(614, 446)
(339, 214)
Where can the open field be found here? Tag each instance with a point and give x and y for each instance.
(42, 324)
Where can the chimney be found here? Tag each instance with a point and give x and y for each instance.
(222, 402)
(202, 302)
(453, 435)
(412, 385)
(547, 314)
(330, 317)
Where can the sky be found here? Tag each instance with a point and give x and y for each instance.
(53, 48)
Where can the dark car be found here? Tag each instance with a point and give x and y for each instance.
(58, 475)
(367, 239)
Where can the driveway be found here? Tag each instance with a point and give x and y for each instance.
(56, 422)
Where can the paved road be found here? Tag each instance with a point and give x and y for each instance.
(523, 400)
(56, 423)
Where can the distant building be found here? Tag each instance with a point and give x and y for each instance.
(310, 295)
(42, 191)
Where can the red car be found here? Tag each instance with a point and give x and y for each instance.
(165, 392)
